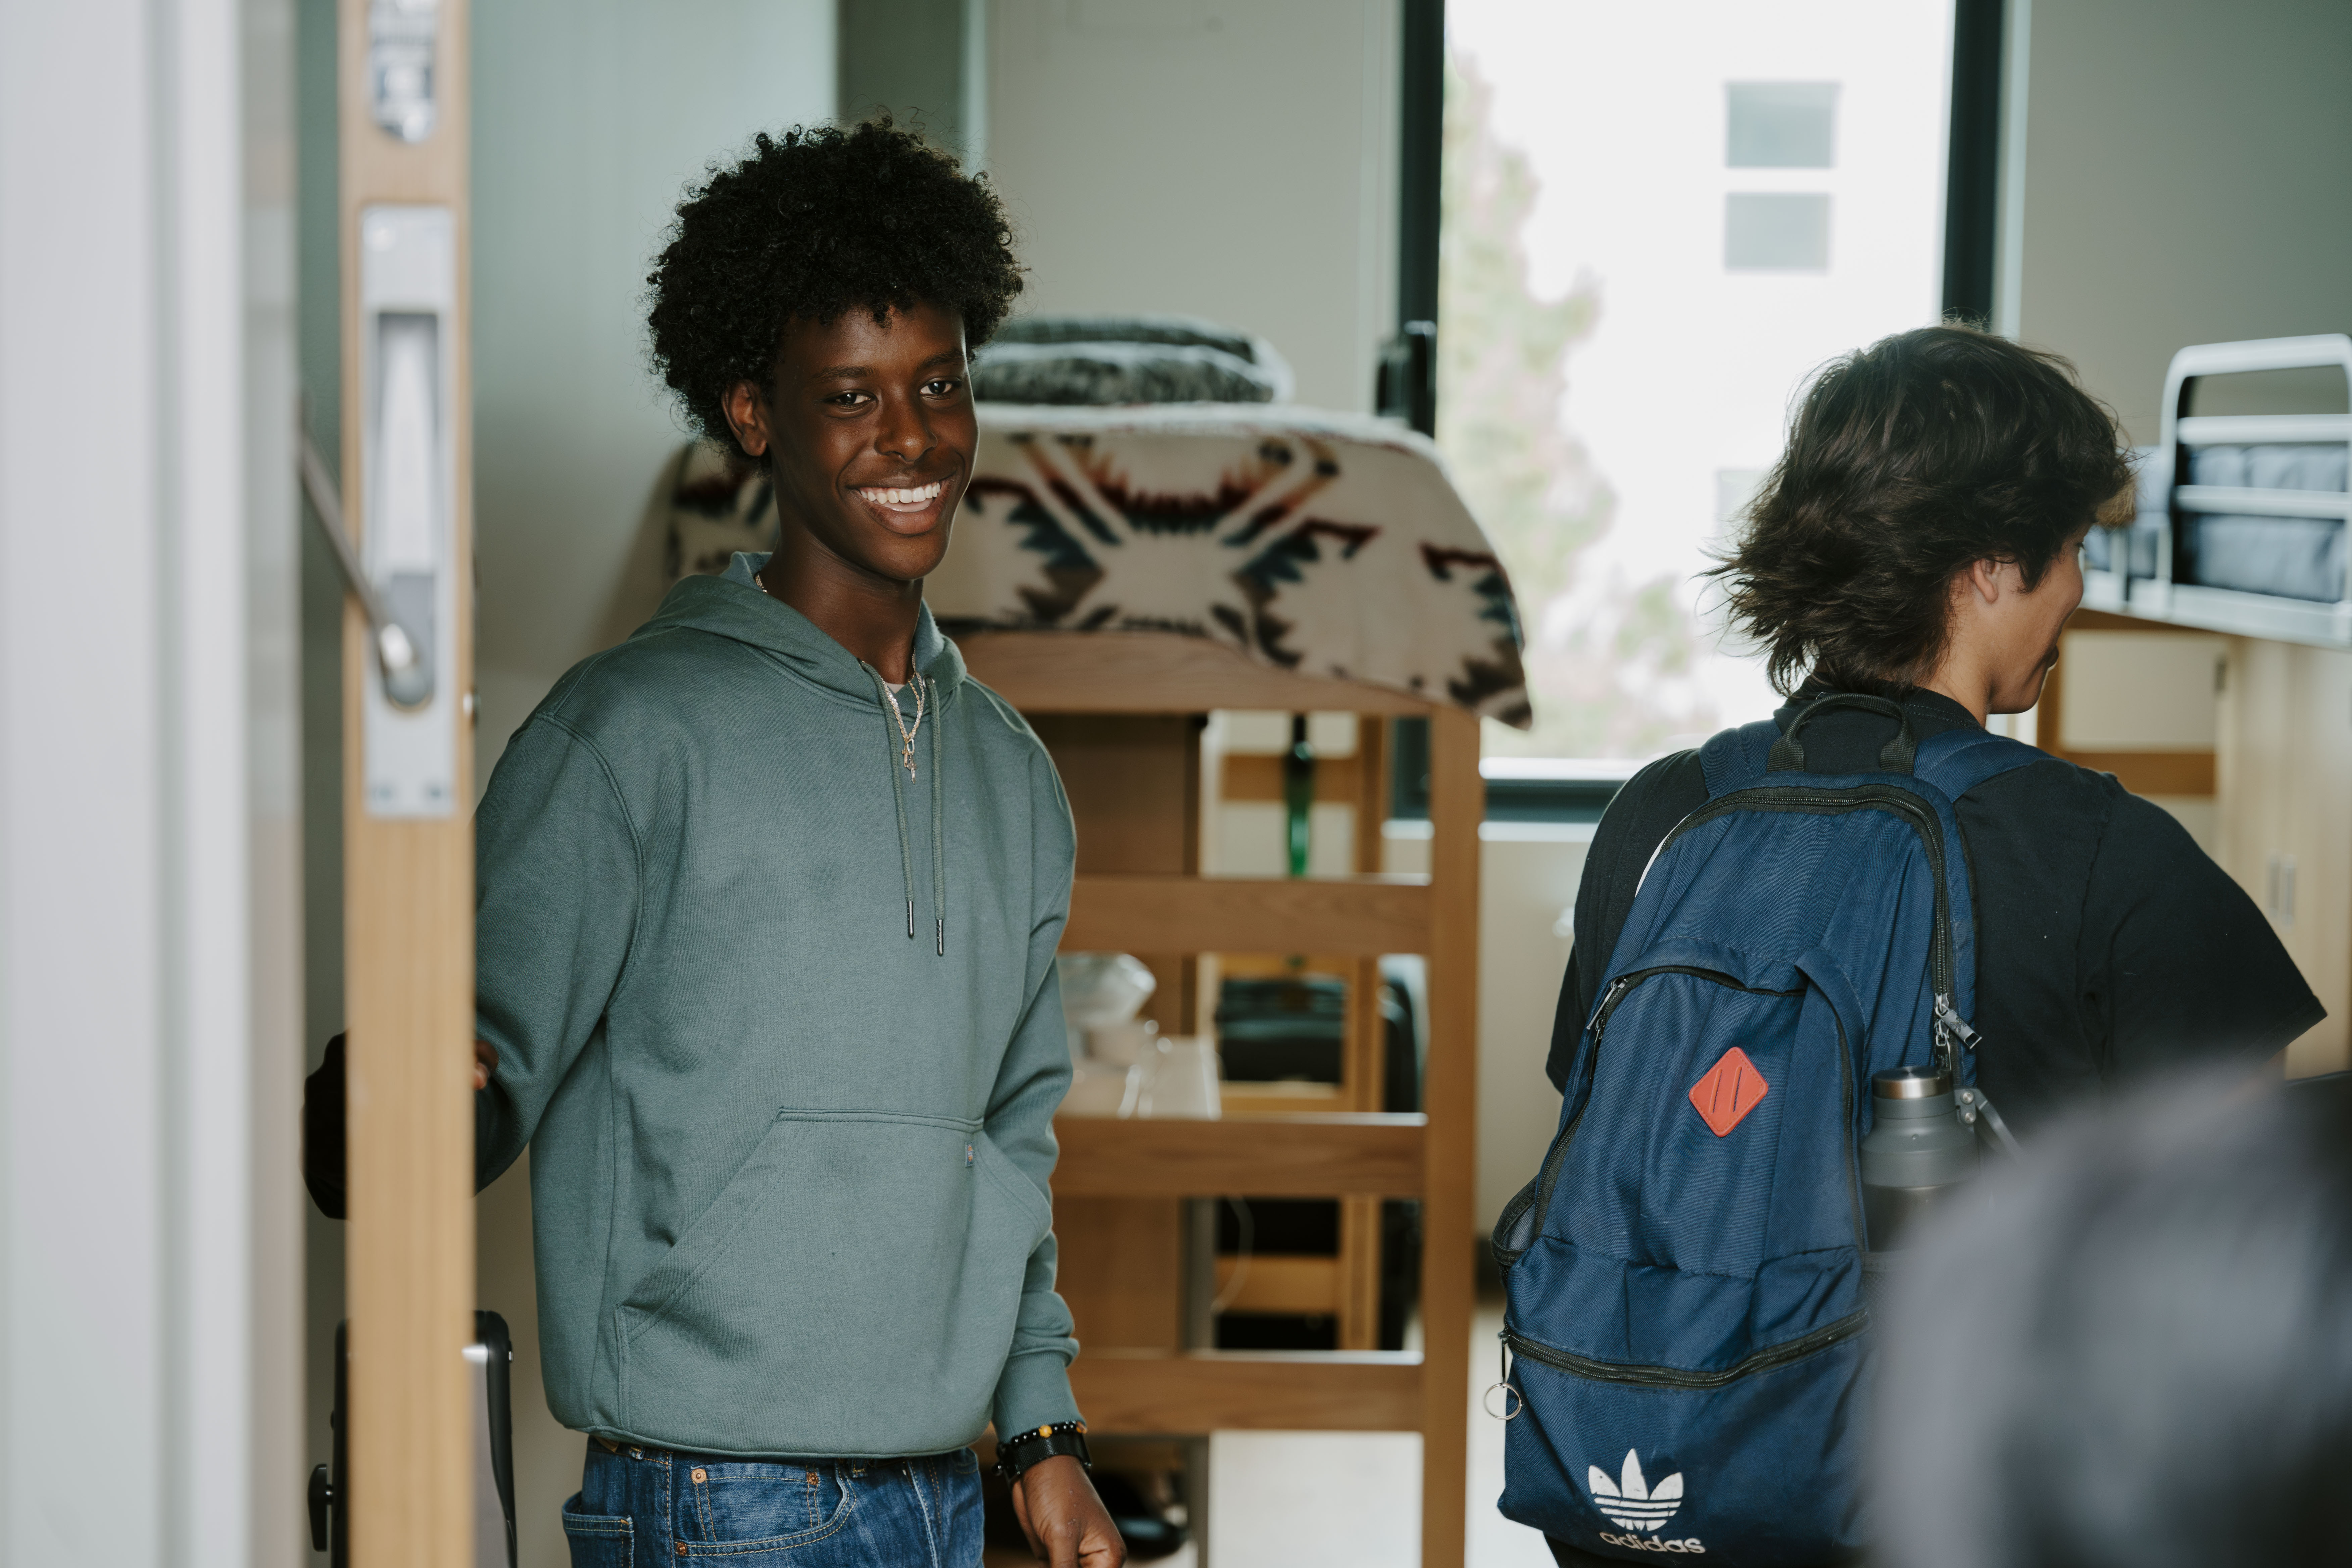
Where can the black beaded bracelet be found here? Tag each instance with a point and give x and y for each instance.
(1019, 1452)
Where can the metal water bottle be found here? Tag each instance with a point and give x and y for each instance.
(1922, 1143)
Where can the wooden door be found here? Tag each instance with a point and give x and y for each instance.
(2284, 784)
(408, 835)
(2314, 899)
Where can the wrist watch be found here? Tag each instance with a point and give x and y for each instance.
(1019, 1452)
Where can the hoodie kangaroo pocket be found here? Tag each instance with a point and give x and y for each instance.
(858, 1265)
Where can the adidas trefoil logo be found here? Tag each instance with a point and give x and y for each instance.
(1631, 1502)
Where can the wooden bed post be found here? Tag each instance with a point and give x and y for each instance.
(1457, 804)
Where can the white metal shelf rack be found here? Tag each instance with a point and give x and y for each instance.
(2160, 597)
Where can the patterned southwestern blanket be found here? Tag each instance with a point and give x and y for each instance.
(1326, 545)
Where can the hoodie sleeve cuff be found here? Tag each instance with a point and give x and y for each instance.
(1034, 1391)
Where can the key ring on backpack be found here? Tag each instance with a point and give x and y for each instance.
(1486, 1401)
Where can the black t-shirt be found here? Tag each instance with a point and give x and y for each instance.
(2108, 945)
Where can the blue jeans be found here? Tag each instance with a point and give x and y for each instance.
(641, 1507)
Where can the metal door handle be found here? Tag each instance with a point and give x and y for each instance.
(406, 683)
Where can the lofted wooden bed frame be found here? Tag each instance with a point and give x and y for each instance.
(1122, 714)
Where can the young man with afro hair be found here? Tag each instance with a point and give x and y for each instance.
(769, 896)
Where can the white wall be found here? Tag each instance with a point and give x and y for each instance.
(148, 976)
(590, 118)
(1528, 873)
(2185, 167)
(1220, 158)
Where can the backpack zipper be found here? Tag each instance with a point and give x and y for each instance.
(1852, 1150)
(1627, 980)
(1952, 1032)
(1763, 1361)
(1536, 1195)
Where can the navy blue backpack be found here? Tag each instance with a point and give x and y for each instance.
(1687, 1354)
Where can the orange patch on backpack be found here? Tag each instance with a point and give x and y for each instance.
(1731, 1088)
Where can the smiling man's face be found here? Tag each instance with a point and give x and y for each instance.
(869, 432)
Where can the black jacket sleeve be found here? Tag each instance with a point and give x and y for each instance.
(323, 1131)
(1566, 1023)
(323, 1158)
(2180, 964)
(1631, 830)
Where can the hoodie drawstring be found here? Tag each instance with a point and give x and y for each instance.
(939, 828)
(898, 799)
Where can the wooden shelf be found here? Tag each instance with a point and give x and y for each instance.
(2148, 773)
(1225, 1391)
(1245, 1098)
(1257, 1156)
(1339, 780)
(1119, 713)
(1293, 1286)
(1357, 916)
(1154, 672)
(2191, 771)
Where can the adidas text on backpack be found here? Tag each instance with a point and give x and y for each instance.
(1684, 1272)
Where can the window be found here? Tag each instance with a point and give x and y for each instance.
(1776, 232)
(1658, 221)
(1734, 488)
(1779, 124)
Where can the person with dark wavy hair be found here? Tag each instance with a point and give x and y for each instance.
(1918, 542)
(768, 901)
(1924, 458)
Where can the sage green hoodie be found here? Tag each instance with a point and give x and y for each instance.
(780, 1024)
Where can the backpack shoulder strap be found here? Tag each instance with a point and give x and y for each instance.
(1956, 761)
(1953, 761)
(1735, 759)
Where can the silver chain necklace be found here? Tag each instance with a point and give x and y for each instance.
(907, 732)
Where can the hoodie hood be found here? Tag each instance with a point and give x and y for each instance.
(732, 606)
